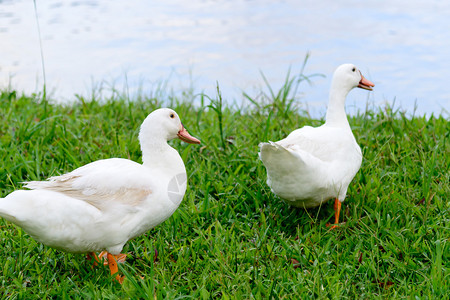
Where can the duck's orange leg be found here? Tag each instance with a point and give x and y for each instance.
(113, 267)
(337, 211)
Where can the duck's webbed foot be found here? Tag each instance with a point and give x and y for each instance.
(120, 258)
(92, 255)
(112, 261)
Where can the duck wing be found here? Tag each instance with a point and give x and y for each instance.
(320, 142)
(102, 183)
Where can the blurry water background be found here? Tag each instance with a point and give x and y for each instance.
(401, 46)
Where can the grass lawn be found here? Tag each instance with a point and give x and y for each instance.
(231, 237)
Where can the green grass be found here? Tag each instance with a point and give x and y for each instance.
(231, 237)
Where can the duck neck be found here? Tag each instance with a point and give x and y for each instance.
(158, 154)
(336, 116)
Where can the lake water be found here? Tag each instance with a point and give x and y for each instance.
(401, 46)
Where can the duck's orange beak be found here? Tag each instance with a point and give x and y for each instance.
(365, 84)
(186, 137)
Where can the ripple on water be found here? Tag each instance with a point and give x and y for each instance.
(402, 49)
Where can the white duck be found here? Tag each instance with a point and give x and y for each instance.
(102, 205)
(312, 165)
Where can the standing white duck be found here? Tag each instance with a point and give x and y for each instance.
(102, 205)
(312, 165)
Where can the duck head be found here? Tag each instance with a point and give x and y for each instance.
(348, 76)
(165, 124)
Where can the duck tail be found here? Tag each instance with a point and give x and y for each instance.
(268, 150)
(3, 209)
(276, 157)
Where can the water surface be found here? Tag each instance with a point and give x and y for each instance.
(402, 48)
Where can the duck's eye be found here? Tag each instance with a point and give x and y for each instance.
(172, 116)
(354, 69)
